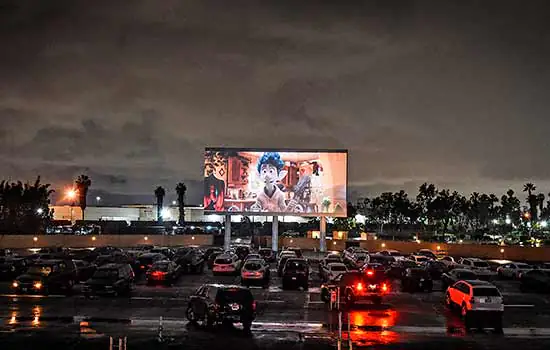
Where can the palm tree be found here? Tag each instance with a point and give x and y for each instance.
(159, 194)
(82, 184)
(531, 199)
(180, 190)
(540, 202)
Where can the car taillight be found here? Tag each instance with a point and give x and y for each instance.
(254, 305)
(158, 274)
(142, 267)
(385, 287)
(370, 273)
(359, 286)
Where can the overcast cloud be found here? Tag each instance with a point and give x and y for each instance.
(130, 92)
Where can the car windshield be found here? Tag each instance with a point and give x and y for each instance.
(523, 266)
(252, 266)
(106, 273)
(223, 261)
(480, 264)
(338, 268)
(43, 270)
(145, 260)
(486, 292)
(239, 296)
(395, 254)
(421, 258)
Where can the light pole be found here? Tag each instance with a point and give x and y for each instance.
(71, 195)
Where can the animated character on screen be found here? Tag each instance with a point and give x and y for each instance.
(270, 198)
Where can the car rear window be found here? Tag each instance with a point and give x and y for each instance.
(145, 260)
(223, 261)
(467, 275)
(486, 292)
(523, 266)
(480, 264)
(252, 266)
(106, 273)
(240, 296)
(421, 258)
(160, 267)
(338, 268)
(294, 265)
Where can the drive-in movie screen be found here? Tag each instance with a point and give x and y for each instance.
(307, 183)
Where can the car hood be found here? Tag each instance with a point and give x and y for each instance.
(100, 281)
(31, 278)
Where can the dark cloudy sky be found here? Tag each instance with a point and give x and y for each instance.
(130, 92)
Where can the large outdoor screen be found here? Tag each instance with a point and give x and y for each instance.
(277, 182)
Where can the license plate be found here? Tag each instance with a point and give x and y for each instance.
(294, 278)
(482, 301)
(235, 307)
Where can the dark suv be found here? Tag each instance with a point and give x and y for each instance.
(113, 279)
(296, 273)
(12, 266)
(46, 276)
(145, 261)
(213, 304)
(190, 260)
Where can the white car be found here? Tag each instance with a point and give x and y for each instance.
(513, 270)
(394, 253)
(331, 270)
(481, 267)
(419, 259)
(478, 301)
(226, 264)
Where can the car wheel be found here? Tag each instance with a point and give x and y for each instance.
(498, 325)
(190, 315)
(449, 301)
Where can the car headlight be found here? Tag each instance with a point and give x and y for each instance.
(15, 284)
(37, 285)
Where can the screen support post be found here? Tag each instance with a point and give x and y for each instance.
(323, 234)
(275, 234)
(227, 235)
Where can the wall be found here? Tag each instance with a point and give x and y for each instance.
(26, 241)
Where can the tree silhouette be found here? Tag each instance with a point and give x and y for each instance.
(159, 194)
(531, 199)
(83, 183)
(180, 190)
(24, 208)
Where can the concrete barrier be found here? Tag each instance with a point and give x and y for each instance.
(41, 241)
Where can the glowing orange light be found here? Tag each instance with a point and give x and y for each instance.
(71, 193)
(370, 273)
(384, 287)
(359, 286)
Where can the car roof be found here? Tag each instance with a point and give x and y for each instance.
(224, 255)
(479, 283)
(336, 264)
(48, 261)
(462, 270)
(226, 286)
(148, 255)
(111, 266)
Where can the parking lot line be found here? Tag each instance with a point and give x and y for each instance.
(520, 305)
(32, 296)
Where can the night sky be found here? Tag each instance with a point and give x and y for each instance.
(130, 92)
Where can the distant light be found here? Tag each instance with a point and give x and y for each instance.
(291, 241)
(208, 227)
(508, 221)
(502, 250)
(192, 227)
(35, 238)
(71, 194)
(375, 238)
(460, 241)
(93, 238)
(543, 223)
(418, 241)
(438, 247)
(40, 211)
(360, 218)
(98, 198)
(166, 213)
(415, 238)
(174, 203)
(495, 221)
(193, 238)
(145, 238)
(383, 245)
(334, 243)
(527, 215)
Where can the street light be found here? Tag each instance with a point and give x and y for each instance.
(98, 199)
(508, 221)
(70, 194)
(39, 211)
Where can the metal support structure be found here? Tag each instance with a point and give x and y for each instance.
(339, 330)
(227, 236)
(275, 234)
(350, 342)
(323, 235)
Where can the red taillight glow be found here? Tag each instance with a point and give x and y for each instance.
(254, 305)
(385, 287)
(158, 274)
(142, 267)
(370, 273)
(359, 286)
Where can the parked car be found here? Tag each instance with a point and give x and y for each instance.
(47, 276)
(107, 250)
(382, 259)
(537, 280)
(254, 256)
(394, 253)
(209, 251)
(480, 303)
(419, 259)
(190, 261)
(332, 270)
(281, 263)
(267, 254)
(163, 271)
(453, 276)
(84, 270)
(397, 269)
(435, 268)
(481, 267)
(12, 266)
(255, 272)
(145, 261)
(213, 304)
(378, 268)
(226, 264)
(449, 261)
(114, 258)
(110, 279)
(427, 253)
(356, 286)
(211, 258)
(416, 279)
(166, 251)
(295, 274)
(513, 270)
(296, 250)
(242, 251)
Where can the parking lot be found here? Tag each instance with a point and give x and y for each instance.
(293, 311)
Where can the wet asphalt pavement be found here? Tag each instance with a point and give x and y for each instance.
(294, 318)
